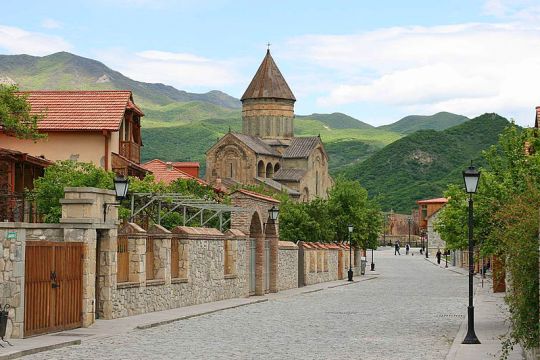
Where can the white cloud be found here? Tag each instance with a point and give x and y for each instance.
(182, 70)
(51, 24)
(466, 68)
(17, 41)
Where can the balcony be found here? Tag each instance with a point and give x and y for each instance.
(131, 151)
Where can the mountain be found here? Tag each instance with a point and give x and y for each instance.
(412, 123)
(422, 164)
(337, 121)
(66, 71)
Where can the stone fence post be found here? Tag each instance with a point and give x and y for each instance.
(162, 252)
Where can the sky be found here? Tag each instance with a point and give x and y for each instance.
(374, 60)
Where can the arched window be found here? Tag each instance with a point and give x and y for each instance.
(260, 169)
(269, 170)
(317, 183)
(276, 168)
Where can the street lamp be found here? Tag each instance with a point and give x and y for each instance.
(350, 273)
(409, 220)
(471, 177)
(273, 213)
(121, 187)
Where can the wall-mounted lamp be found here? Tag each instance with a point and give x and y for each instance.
(121, 187)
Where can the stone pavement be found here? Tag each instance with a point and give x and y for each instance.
(490, 313)
(411, 310)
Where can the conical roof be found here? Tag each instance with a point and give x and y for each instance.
(268, 82)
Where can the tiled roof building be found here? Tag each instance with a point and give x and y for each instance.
(102, 127)
(267, 152)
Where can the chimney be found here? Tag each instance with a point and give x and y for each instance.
(169, 166)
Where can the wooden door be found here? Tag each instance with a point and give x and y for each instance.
(301, 267)
(53, 287)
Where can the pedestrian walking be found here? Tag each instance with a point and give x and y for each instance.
(438, 256)
(396, 248)
(422, 250)
(407, 248)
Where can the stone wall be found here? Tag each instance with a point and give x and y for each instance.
(12, 246)
(287, 265)
(205, 279)
(320, 262)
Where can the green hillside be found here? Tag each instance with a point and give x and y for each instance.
(336, 121)
(66, 71)
(178, 141)
(412, 123)
(422, 164)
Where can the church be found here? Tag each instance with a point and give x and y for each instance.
(267, 152)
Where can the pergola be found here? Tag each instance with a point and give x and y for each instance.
(189, 206)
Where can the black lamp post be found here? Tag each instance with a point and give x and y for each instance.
(427, 243)
(372, 263)
(121, 187)
(471, 177)
(409, 220)
(350, 273)
(273, 213)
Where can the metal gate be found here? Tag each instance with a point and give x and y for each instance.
(252, 260)
(266, 272)
(53, 287)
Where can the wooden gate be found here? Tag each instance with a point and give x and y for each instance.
(53, 287)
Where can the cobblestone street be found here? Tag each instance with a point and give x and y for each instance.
(412, 310)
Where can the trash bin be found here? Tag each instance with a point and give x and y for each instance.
(363, 267)
(3, 320)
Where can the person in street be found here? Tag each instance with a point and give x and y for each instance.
(438, 256)
(407, 248)
(422, 250)
(396, 248)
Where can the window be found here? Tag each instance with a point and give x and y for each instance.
(230, 170)
(260, 169)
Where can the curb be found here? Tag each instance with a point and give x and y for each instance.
(185, 317)
(18, 354)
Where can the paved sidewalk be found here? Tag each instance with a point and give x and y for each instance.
(490, 312)
(106, 328)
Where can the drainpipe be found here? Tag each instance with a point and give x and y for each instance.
(106, 135)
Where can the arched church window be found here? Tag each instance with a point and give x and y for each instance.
(317, 183)
(269, 170)
(276, 168)
(261, 169)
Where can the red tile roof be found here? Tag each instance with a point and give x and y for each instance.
(168, 173)
(186, 164)
(432, 201)
(81, 110)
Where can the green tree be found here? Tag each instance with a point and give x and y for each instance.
(295, 223)
(348, 203)
(49, 189)
(15, 117)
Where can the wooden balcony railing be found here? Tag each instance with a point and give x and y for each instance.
(131, 150)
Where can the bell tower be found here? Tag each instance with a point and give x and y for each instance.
(268, 104)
